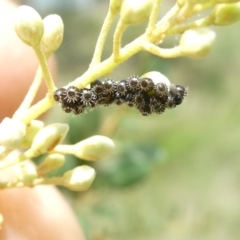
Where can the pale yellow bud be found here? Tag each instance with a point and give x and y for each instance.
(48, 137)
(116, 5)
(225, 14)
(26, 173)
(79, 179)
(28, 25)
(196, 43)
(93, 148)
(32, 128)
(135, 12)
(10, 158)
(50, 163)
(53, 33)
(12, 133)
(181, 2)
(157, 77)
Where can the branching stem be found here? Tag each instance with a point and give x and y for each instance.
(153, 17)
(36, 110)
(31, 93)
(161, 52)
(117, 39)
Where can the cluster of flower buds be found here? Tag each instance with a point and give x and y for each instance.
(34, 31)
(17, 171)
(144, 93)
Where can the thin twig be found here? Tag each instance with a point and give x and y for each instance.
(153, 17)
(117, 38)
(31, 93)
(161, 52)
(102, 38)
(45, 69)
(36, 110)
(186, 26)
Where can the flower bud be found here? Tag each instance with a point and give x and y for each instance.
(79, 179)
(116, 5)
(181, 2)
(157, 77)
(31, 131)
(11, 158)
(26, 173)
(135, 12)
(12, 133)
(28, 25)
(225, 14)
(48, 137)
(53, 33)
(50, 163)
(196, 43)
(93, 148)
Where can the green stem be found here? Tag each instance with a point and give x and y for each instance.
(31, 93)
(45, 69)
(64, 149)
(161, 52)
(117, 38)
(186, 26)
(48, 181)
(102, 38)
(108, 65)
(153, 17)
(37, 109)
(202, 7)
(165, 23)
(129, 50)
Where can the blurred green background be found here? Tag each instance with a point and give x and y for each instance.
(174, 176)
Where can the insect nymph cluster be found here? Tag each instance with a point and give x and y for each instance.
(142, 93)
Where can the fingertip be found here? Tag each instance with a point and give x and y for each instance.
(38, 213)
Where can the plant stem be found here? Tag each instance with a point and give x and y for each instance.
(153, 17)
(36, 110)
(31, 93)
(48, 181)
(117, 38)
(64, 149)
(108, 65)
(184, 27)
(165, 23)
(45, 69)
(102, 38)
(161, 52)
